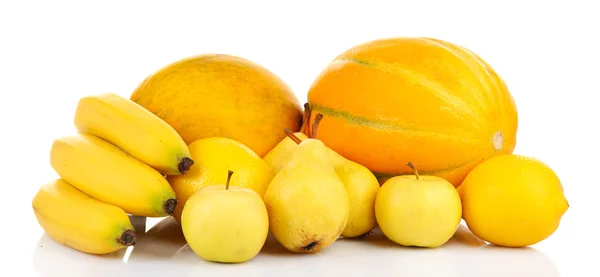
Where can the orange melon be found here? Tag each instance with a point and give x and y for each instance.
(434, 103)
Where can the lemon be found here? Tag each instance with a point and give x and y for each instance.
(512, 200)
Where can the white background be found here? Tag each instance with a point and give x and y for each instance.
(54, 52)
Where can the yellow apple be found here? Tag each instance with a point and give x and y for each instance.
(213, 156)
(418, 210)
(225, 224)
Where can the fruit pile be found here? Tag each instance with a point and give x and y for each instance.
(408, 135)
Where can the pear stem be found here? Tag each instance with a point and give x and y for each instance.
(414, 169)
(229, 173)
(291, 135)
(306, 118)
(315, 125)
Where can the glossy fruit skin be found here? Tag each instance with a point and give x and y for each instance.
(427, 101)
(362, 189)
(513, 201)
(360, 183)
(134, 129)
(103, 171)
(278, 156)
(212, 157)
(72, 218)
(423, 213)
(227, 226)
(222, 95)
(307, 202)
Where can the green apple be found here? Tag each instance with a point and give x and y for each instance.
(421, 211)
(227, 224)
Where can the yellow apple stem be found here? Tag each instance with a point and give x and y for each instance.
(228, 179)
(291, 135)
(305, 119)
(315, 125)
(414, 169)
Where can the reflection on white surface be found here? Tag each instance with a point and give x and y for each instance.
(162, 249)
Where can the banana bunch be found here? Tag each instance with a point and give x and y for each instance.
(113, 166)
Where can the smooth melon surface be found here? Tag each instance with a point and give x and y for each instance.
(222, 95)
(430, 102)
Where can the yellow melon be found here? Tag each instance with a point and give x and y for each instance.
(222, 95)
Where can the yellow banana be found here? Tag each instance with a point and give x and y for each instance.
(134, 129)
(72, 218)
(105, 172)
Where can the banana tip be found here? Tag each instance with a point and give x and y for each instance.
(127, 238)
(170, 206)
(185, 164)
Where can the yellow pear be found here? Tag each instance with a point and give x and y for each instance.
(278, 156)
(225, 224)
(307, 203)
(213, 156)
(360, 183)
(362, 187)
(418, 210)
